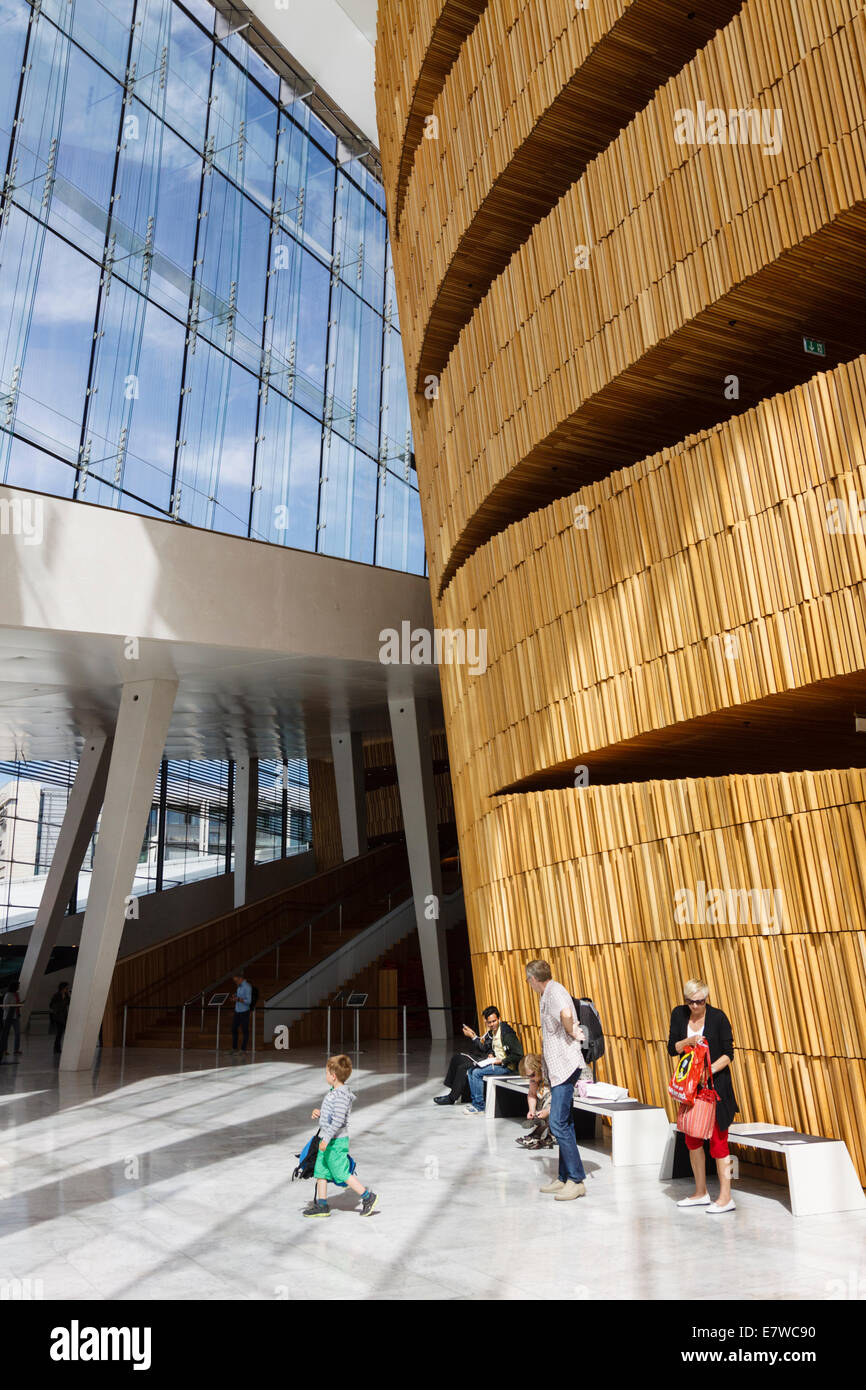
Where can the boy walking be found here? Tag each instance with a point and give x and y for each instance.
(332, 1163)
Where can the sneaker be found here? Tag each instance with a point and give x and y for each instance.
(715, 1210)
(313, 1209)
(368, 1204)
(555, 1186)
(472, 1110)
(570, 1191)
(695, 1201)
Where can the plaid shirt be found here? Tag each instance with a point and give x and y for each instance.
(562, 1055)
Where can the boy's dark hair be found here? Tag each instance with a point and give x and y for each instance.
(340, 1066)
(491, 1009)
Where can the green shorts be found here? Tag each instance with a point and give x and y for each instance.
(333, 1164)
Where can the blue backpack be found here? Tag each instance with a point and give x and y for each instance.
(307, 1160)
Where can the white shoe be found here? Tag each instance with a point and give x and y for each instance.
(715, 1210)
(695, 1201)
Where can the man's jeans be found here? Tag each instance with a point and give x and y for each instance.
(241, 1021)
(476, 1082)
(562, 1129)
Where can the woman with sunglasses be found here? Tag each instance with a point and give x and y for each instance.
(692, 1022)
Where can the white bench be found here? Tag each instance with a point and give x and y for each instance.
(821, 1176)
(639, 1132)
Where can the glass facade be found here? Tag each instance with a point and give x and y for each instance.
(197, 310)
(189, 834)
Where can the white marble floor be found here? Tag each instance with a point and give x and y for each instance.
(143, 1181)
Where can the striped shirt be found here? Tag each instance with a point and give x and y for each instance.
(562, 1054)
(334, 1119)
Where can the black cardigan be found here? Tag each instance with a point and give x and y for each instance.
(717, 1032)
(510, 1041)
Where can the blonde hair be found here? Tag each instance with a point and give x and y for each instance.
(695, 989)
(533, 1062)
(340, 1066)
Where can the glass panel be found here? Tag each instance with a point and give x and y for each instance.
(287, 475)
(269, 815)
(244, 129)
(348, 506)
(234, 250)
(158, 180)
(196, 817)
(131, 421)
(61, 317)
(218, 433)
(399, 533)
(31, 468)
(14, 15)
(173, 67)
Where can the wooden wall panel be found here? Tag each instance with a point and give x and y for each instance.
(609, 637)
(583, 364)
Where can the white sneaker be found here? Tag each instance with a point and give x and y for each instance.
(695, 1201)
(715, 1210)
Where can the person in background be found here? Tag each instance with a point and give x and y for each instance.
(478, 1049)
(501, 1054)
(242, 997)
(58, 1011)
(538, 1108)
(563, 1059)
(691, 1022)
(11, 1019)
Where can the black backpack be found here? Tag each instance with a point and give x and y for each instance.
(307, 1158)
(254, 996)
(588, 1018)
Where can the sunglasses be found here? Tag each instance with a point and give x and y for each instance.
(695, 1002)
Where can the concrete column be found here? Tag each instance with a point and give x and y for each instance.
(139, 740)
(348, 752)
(79, 823)
(246, 806)
(411, 734)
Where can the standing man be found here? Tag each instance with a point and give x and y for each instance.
(561, 1038)
(59, 1011)
(11, 1019)
(243, 997)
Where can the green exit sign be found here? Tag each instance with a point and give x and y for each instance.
(815, 346)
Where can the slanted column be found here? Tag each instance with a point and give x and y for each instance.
(246, 805)
(348, 750)
(139, 741)
(411, 733)
(79, 823)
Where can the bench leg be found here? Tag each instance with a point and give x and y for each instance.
(822, 1178)
(666, 1171)
(639, 1136)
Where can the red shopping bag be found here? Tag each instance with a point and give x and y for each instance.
(698, 1120)
(689, 1073)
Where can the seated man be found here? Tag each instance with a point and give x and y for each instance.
(496, 1054)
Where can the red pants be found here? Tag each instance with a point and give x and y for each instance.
(718, 1143)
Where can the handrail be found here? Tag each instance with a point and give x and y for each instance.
(270, 907)
(304, 926)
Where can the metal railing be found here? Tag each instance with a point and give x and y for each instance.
(402, 1010)
(307, 926)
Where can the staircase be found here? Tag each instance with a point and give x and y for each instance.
(274, 941)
